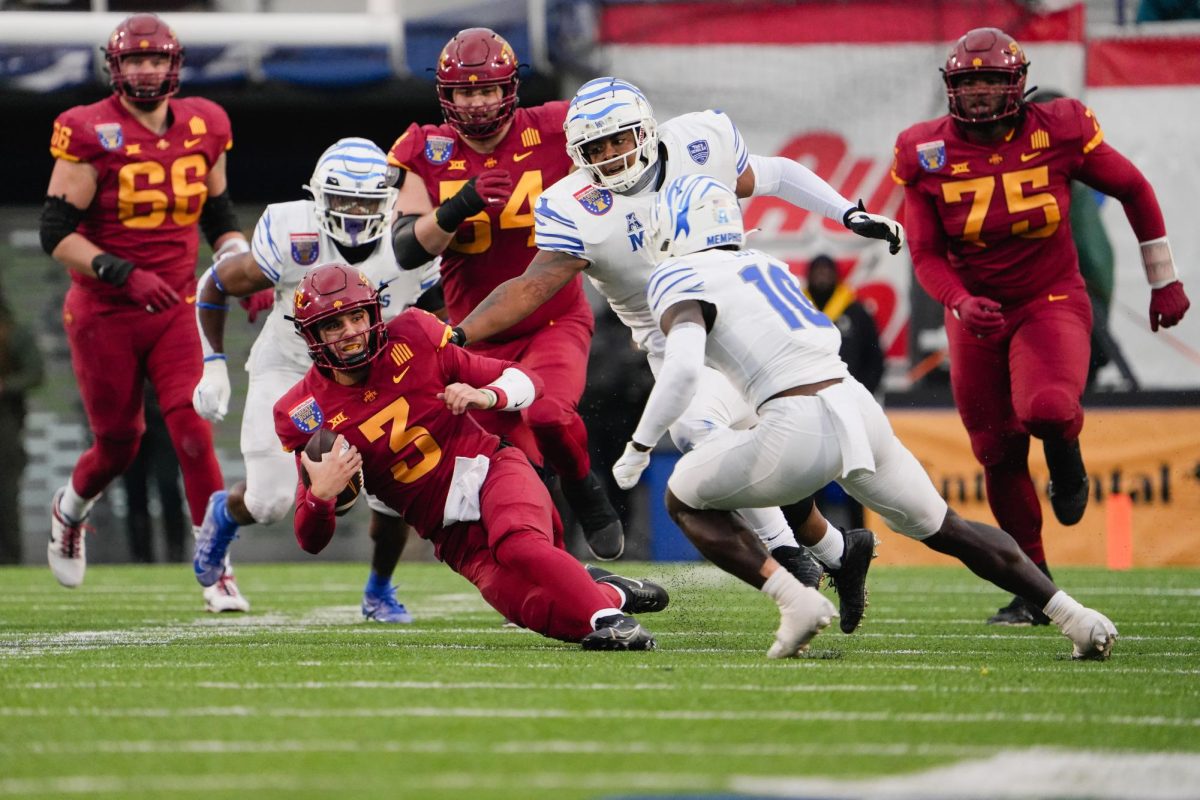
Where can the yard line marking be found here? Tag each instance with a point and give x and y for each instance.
(988, 718)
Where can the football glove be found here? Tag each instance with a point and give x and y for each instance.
(980, 316)
(150, 291)
(630, 466)
(873, 226)
(211, 395)
(1168, 304)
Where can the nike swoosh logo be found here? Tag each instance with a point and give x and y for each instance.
(1056, 297)
(522, 156)
(1027, 156)
(400, 377)
(191, 142)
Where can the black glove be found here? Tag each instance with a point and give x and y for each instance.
(490, 187)
(873, 226)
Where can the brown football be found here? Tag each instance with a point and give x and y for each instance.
(320, 444)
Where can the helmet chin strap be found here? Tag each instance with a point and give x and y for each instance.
(649, 178)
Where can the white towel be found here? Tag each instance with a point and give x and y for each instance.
(462, 501)
(842, 402)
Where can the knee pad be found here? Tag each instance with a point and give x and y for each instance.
(1054, 413)
(267, 507)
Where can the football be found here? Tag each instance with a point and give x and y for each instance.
(320, 444)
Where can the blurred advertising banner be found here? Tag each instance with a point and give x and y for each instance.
(831, 85)
(1151, 455)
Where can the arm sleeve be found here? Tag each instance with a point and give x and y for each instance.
(515, 389)
(315, 519)
(1105, 169)
(676, 383)
(797, 184)
(928, 246)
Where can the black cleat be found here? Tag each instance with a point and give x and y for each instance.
(1020, 612)
(602, 528)
(618, 632)
(799, 562)
(850, 579)
(1069, 484)
(641, 597)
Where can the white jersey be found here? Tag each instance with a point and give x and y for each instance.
(612, 231)
(767, 336)
(288, 241)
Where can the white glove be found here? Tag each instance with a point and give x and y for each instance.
(874, 226)
(211, 396)
(630, 466)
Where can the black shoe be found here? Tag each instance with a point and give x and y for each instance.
(1069, 484)
(850, 579)
(641, 597)
(602, 527)
(800, 563)
(618, 632)
(1019, 612)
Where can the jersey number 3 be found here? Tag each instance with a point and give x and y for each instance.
(402, 436)
(517, 213)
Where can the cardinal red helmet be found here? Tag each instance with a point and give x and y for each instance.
(477, 57)
(143, 34)
(331, 290)
(988, 51)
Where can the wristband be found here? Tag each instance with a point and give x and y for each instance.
(454, 212)
(458, 337)
(1158, 262)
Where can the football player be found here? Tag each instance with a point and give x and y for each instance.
(347, 218)
(987, 197)
(400, 391)
(470, 187)
(816, 423)
(136, 177)
(595, 222)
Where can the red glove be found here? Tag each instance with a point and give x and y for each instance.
(493, 186)
(980, 315)
(1167, 305)
(148, 290)
(257, 303)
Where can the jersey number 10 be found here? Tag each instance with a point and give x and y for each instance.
(783, 293)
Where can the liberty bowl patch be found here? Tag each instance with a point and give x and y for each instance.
(307, 416)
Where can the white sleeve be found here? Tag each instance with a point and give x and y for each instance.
(556, 232)
(513, 390)
(676, 384)
(797, 184)
(266, 249)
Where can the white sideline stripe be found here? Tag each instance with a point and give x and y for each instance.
(989, 718)
(1036, 772)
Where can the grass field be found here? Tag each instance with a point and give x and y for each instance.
(124, 688)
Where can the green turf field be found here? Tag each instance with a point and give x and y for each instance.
(124, 688)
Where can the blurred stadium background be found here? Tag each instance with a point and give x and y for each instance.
(827, 83)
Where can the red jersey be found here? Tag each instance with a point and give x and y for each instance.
(407, 437)
(993, 219)
(495, 244)
(149, 188)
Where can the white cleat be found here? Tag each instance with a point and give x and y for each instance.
(224, 595)
(1092, 633)
(800, 621)
(66, 552)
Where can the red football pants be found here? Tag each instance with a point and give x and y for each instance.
(1025, 380)
(114, 350)
(551, 428)
(510, 556)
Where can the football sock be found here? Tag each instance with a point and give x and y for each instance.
(1062, 607)
(769, 525)
(74, 507)
(782, 587)
(376, 585)
(831, 547)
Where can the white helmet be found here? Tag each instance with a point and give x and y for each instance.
(694, 213)
(353, 189)
(600, 108)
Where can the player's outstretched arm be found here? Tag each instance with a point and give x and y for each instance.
(517, 298)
